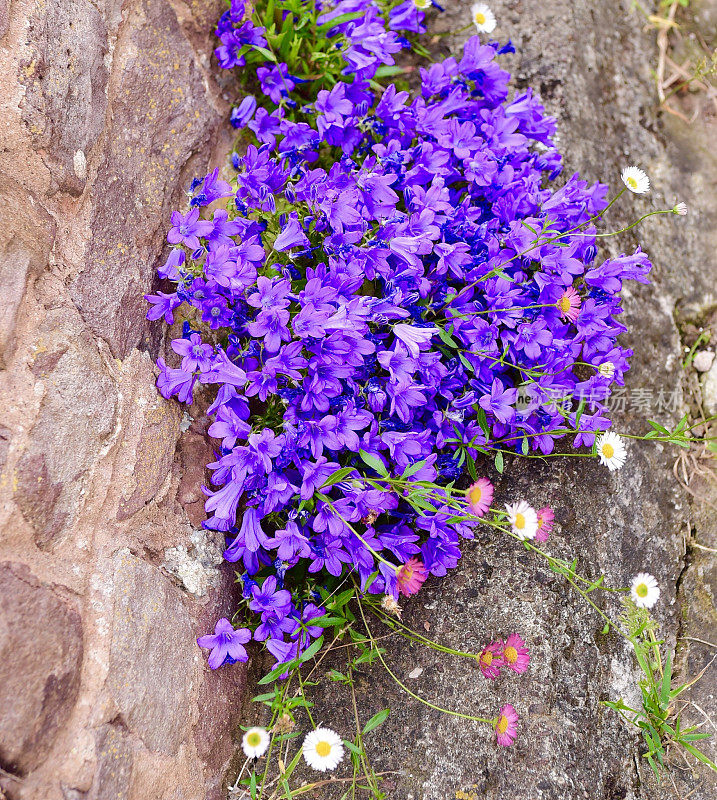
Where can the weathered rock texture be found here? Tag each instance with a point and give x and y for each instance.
(107, 109)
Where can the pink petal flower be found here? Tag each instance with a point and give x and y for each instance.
(506, 725)
(569, 304)
(546, 518)
(410, 577)
(490, 660)
(515, 654)
(480, 496)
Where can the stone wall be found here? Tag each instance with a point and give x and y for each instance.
(108, 110)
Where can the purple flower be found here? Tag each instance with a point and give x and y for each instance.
(275, 81)
(413, 337)
(226, 644)
(291, 235)
(269, 598)
(163, 305)
(188, 228)
(500, 401)
(241, 115)
(195, 354)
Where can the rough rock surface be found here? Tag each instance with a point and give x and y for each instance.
(108, 108)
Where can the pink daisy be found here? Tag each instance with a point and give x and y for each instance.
(411, 576)
(546, 517)
(515, 654)
(480, 496)
(569, 304)
(506, 725)
(490, 660)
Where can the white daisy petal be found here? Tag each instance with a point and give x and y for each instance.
(606, 369)
(483, 18)
(523, 519)
(323, 749)
(636, 180)
(611, 450)
(644, 590)
(254, 742)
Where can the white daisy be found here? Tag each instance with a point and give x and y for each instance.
(254, 742)
(680, 209)
(523, 519)
(644, 590)
(423, 4)
(606, 369)
(323, 749)
(483, 18)
(611, 450)
(636, 180)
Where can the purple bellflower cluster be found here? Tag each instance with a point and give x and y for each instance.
(366, 36)
(387, 289)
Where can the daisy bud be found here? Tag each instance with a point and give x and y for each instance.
(680, 209)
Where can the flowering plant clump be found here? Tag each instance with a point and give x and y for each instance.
(386, 290)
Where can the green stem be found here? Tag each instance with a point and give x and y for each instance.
(403, 685)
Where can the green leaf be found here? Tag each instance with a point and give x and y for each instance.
(699, 755)
(447, 338)
(278, 670)
(352, 747)
(666, 681)
(262, 698)
(388, 72)
(327, 621)
(412, 469)
(337, 477)
(499, 462)
(312, 650)
(483, 422)
(376, 720)
(268, 55)
(470, 462)
(327, 26)
(374, 462)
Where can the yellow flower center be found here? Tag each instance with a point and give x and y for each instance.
(632, 183)
(608, 450)
(487, 658)
(641, 590)
(519, 521)
(564, 304)
(475, 495)
(502, 724)
(323, 749)
(510, 654)
(253, 739)
(480, 18)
